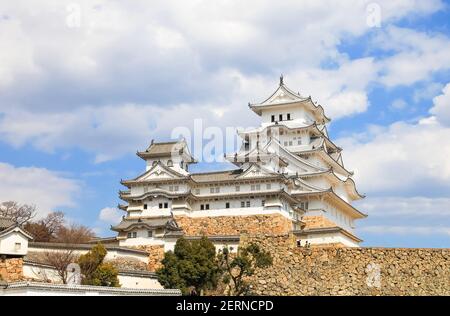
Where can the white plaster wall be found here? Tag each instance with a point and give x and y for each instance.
(136, 282)
(41, 273)
(9, 241)
(340, 190)
(152, 207)
(232, 245)
(328, 238)
(321, 208)
(204, 190)
(298, 112)
(111, 254)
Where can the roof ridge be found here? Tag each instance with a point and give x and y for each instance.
(166, 143)
(212, 172)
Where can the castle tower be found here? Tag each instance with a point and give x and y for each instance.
(289, 177)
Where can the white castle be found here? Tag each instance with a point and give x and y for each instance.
(288, 177)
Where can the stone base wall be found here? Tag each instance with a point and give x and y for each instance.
(350, 271)
(234, 225)
(317, 222)
(11, 269)
(155, 255)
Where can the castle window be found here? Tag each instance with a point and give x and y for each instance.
(299, 141)
(197, 191)
(263, 202)
(176, 188)
(202, 207)
(145, 206)
(170, 187)
(285, 143)
(289, 116)
(169, 163)
(132, 235)
(217, 189)
(150, 233)
(268, 186)
(242, 204)
(247, 204)
(227, 205)
(290, 143)
(207, 206)
(182, 165)
(273, 118)
(160, 205)
(280, 117)
(17, 246)
(211, 190)
(166, 205)
(255, 187)
(238, 188)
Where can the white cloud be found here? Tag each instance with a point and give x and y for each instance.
(406, 230)
(406, 207)
(427, 92)
(131, 73)
(398, 104)
(112, 131)
(417, 55)
(110, 215)
(441, 106)
(46, 189)
(400, 157)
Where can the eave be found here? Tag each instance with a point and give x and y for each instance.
(327, 158)
(330, 194)
(145, 155)
(348, 181)
(314, 231)
(316, 109)
(158, 192)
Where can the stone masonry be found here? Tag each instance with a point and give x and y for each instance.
(155, 255)
(11, 269)
(350, 271)
(317, 222)
(234, 225)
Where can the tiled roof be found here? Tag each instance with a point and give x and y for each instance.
(52, 245)
(216, 176)
(126, 224)
(161, 148)
(73, 289)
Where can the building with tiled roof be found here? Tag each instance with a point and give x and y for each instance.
(287, 177)
(13, 239)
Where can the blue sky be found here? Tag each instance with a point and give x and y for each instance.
(84, 84)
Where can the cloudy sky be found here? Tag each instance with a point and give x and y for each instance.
(84, 84)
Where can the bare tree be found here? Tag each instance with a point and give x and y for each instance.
(19, 213)
(45, 229)
(60, 260)
(74, 234)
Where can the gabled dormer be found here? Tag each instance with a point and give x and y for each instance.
(285, 105)
(175, 155)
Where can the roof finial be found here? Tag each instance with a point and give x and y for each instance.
(281, 80)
